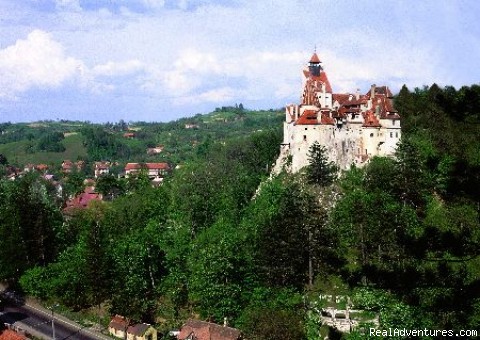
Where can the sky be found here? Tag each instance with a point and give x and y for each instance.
(160, 60)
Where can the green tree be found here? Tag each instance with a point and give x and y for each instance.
(320, 171)
(219, 272)
(3, 160)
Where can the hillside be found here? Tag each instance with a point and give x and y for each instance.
(395, 243)
(20, 143)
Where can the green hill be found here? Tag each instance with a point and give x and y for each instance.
(16, 152)
(19, 143)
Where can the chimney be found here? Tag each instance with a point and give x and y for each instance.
(296, 112)
(372, 91)
(357, 94)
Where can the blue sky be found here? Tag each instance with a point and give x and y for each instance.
(159, 60)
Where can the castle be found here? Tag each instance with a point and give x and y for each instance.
(352, 127)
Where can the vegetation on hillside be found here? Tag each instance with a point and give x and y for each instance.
(51, 142)
(400, 237)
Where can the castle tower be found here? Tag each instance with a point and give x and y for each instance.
(353, 128)
(314, 65)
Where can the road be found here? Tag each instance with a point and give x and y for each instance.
(38, 322)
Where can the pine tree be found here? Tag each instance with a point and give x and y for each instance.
(320, 171)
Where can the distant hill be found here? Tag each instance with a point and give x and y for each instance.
(25, 143)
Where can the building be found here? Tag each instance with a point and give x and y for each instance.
(69, 166)
(153, 170)
(9, 334)
(82, 201)
(120, 327)
(353, 127)
(156, 150)
(202, 330)
(101, 168)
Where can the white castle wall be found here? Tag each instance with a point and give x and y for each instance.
(350, 144)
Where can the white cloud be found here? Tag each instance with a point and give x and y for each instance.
(230, 50)
(113, 69)
(37, 61)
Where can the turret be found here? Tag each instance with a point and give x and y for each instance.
(314, 66)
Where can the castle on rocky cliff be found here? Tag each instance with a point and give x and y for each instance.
(353, 127)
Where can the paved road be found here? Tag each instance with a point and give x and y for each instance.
(39, 323)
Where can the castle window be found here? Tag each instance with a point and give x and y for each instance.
(306, 128)
(393, 121)
(371, 135)
(396, 134)
(391, 134)
(304, 138)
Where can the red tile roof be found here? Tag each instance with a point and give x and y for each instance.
(9, 334)
(315, 59)
(42, 167)
(370, 120)
(138, 166)
(162, 165)
(324, 79)
(138, 329)
(202, 330)
(326, 119)
(118, 322)
(310, 117)
(359, 101)
(340, 97)
(81, 201)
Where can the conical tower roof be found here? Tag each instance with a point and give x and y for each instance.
(315, 59)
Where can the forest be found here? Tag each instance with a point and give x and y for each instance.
(221, 238)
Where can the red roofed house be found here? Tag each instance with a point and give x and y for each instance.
(153, 170)
(82, 200)
(156, 150)
(10, 334)
(352, 127)
(69, 166)
(202, 330)
(101, 168)
(120, 327)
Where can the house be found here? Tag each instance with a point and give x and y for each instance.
(202, 330)
(133, 168)
(120, 327)
(141, 331)
(129, 135)
(353, 127)
(69, 166)
(191, 126)
(101, 168)
(156, 150)
(29, 167)
(11, 334)
(152, 169)
(158, 169)
(42, 168)
(82, 200)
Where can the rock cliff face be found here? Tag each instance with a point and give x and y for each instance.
(352, 127)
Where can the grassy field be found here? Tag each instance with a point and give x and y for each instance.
(16, 154)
